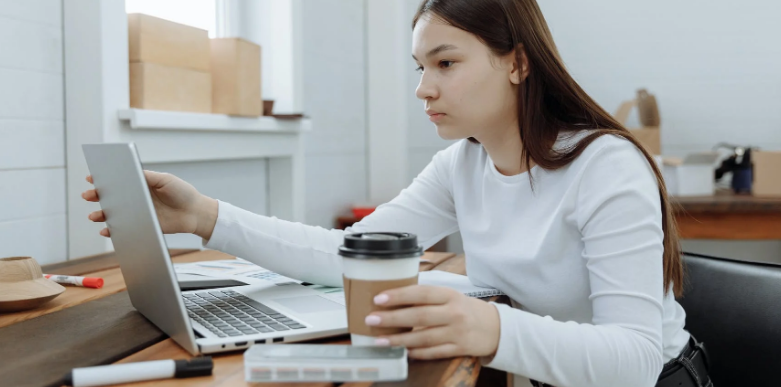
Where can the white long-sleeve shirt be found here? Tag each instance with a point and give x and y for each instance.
(580, 255)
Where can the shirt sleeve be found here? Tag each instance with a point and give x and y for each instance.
(619, 215)
(310, 253)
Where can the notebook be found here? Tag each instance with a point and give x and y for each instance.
(457, 282)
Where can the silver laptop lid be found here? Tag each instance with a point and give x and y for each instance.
(138, 240)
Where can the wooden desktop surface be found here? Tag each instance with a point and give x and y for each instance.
(726, 215)
(85, 327)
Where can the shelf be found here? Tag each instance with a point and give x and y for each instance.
(140, 119)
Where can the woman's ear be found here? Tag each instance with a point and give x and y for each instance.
(520, 66)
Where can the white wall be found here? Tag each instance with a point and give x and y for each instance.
(243, 183)
(423, 142)
(713, 66)
(32, 159)
(334, 87)
(334, 90)
(422, 139)
(277, 27)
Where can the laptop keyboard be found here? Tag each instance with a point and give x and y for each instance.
(228, 313)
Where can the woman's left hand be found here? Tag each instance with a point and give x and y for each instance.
(448, 323)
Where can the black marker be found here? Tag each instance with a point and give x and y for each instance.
(137, 372)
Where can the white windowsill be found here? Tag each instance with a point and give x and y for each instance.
(140, 119)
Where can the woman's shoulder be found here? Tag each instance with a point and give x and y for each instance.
(607, 148)
(612, 167)
(612, 158)
(569, 139)
(609, 151)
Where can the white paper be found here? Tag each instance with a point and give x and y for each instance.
(237, 269)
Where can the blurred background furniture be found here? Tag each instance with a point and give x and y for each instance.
(732, 306)
(726, 215)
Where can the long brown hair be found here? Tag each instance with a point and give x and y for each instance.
(550, 102)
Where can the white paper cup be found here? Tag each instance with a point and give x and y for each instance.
(376, 257)
(381, 270)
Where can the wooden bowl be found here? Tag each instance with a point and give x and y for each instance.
(22, 285)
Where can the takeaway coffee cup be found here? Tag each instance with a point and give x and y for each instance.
(373, 263)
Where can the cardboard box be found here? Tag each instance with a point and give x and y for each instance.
(649, 138)
(155, 40)
(236, 77)
(767, 173)
(648, 134)
(691, 176)
(158, 87)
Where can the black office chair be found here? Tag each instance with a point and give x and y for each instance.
(734, 307)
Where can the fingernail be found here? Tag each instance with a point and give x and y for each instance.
(380, 299)
(372, 320)
(382, 342)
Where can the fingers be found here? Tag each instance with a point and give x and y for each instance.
(156, 179)
(439, 352)
(421, 316)
(90, 195)
(415, 295)
(153, 179)
(421, 338)
(97, 216)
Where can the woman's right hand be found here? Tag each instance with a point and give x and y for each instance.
(180, 207)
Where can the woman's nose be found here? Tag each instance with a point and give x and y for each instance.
(426, 90)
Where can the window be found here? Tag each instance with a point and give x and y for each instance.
(197, 13)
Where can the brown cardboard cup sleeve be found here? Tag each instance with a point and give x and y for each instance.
(359, 296)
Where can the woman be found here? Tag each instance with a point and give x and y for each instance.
(557, 204)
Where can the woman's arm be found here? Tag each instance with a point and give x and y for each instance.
(619, 214)
(309, 253)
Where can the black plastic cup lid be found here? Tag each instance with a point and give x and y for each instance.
(381, 245)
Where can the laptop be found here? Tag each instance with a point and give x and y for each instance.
(203, 321)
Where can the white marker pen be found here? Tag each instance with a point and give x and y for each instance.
(87, 282)
(137, 372)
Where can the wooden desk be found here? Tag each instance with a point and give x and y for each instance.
(85, 327)
(728, 216)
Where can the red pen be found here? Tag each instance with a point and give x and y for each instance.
(87, 282)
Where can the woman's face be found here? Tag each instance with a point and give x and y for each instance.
(467, 90)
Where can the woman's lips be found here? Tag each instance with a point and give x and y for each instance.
(436, 117)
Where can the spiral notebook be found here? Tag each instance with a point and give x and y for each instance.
(457, 282)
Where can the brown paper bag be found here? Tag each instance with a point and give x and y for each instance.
(648, 112)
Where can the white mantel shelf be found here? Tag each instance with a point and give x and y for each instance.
(140, 119)
(172, 137)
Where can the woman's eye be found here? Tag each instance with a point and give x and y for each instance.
(445, 63)
(419, 69)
